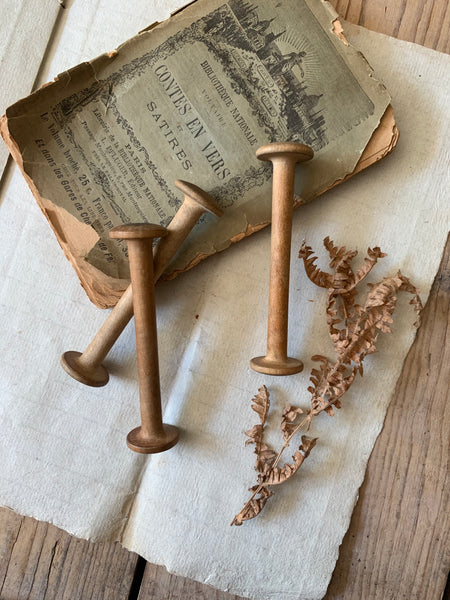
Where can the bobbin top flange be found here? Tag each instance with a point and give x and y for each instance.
(200, 196)
(138, 231)
(292, 150)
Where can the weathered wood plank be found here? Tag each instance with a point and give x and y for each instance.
(158, 583)
(41, 562)
(425, 22)
(398, 543)
(10, 524)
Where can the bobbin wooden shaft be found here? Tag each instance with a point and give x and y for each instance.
(87, 367)
(153, 435)
(284, 157)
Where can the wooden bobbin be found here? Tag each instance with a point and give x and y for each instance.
(87, 367)
(153, 435)
(284, 157)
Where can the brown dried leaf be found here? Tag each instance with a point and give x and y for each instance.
(369, 262)
(307, 445)
(265, 455)
(319, 379)
(261, 404)
(415, 301)
(279, 475)
(336, 253)
(341, 258)
(320, 278)
(254, 506)
(254, 434)
(342, 294)
(382, 300)
(265, 458)
(289, 420)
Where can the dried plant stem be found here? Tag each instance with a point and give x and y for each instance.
(354, 331)
(307, 419)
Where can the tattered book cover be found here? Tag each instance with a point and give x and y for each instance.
(192, 98)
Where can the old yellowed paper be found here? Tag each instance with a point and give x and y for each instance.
(193, 98)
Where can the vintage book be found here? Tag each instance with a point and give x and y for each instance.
(193, 98)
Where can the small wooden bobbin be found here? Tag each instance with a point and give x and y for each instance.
(153, 435)
(87, 367)
(284, 157)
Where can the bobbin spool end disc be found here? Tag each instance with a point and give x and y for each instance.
(270, 366)
(138, 231)
(193, 192)
(138, 442)
(96, 376)
(292, 150)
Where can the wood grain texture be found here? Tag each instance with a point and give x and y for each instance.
(425, 22)
(41, 562)
(398, 543)
(397, 546)
(283, 156)
(158, 584)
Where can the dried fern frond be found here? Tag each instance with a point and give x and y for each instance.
(320, 278)
(369, 262)
(264, 454)
(354, 330)
(261, 404)
(289, 420)
(254, 506)
(278, 475)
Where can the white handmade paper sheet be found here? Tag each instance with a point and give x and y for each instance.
(62, 445)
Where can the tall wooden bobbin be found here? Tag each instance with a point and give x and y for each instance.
(153, 435)
(87, 367)
(284, 157)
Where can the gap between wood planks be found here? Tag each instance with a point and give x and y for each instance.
(137, 578)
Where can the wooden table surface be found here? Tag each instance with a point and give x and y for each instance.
(397, 546)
